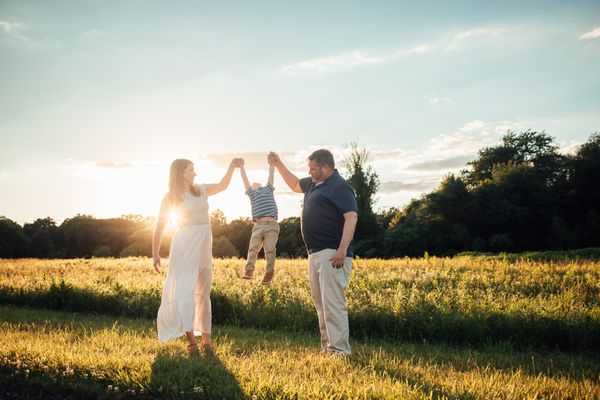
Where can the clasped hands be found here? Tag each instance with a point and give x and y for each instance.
(272, 158)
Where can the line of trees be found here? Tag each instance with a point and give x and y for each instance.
(84, 236)
(519, 195)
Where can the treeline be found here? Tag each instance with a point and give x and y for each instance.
(84, 236)
(520, 195)
(517, 196)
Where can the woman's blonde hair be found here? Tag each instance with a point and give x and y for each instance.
(176, 187)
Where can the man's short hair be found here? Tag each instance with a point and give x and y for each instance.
(322, 157)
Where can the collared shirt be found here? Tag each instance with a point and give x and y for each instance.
(323, 212)
(262, 201)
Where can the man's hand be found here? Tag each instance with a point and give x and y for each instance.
(339, 258)
(273, 158)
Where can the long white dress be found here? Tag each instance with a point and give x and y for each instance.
(185, 304)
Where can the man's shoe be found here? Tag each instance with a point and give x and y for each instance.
(267, 278)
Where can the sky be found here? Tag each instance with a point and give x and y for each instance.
(97, 98)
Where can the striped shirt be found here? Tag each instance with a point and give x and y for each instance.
(263, 202)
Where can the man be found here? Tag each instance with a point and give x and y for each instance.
(329, 216)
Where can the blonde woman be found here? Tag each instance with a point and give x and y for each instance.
(185, 305)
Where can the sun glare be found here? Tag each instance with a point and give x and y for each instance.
(173, 221)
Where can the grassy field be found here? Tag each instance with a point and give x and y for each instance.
(105, 357)
(463, 300)
(467, 327)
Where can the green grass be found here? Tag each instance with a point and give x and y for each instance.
(462, 300)
(586, 254)
(87, 356)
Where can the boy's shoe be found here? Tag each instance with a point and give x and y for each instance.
(267, 278)
(247, 274)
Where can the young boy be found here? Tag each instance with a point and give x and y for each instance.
(266, 229)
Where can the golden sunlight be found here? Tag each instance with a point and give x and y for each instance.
(173, 221)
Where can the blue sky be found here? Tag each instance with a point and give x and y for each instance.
(98, 97)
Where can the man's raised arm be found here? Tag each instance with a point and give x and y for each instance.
(290, 179)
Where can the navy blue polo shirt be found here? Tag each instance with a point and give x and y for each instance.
(323, 212)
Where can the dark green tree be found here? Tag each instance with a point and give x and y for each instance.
(81, 236)
(290, 242)
(42, 234)
(365, 182)
(535, 149)
(13, 241)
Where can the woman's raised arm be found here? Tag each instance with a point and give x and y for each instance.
(214, 188)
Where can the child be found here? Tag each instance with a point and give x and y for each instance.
(266, 229)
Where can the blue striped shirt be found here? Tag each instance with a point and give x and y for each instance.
(263, 202)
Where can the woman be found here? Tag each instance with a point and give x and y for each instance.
(185, 305)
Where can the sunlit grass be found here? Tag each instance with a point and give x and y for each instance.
(97, 356)
(461, 300)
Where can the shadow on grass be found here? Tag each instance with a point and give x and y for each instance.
(203, 376)
(171, 368)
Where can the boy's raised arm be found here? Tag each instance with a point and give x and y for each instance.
(271, 173)
(244, 177)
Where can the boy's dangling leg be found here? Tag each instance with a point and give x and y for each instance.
(253, 249)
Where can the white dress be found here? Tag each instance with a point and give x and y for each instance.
(185, 304)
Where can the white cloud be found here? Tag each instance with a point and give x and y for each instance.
(472, 137)
(460, 38)
(376, 155)
(252, 159)
(445, 164)
(13, 30)
(441, 101)
(350, 59)
(7, 176)
(569, 148)
(114, 165)
(91, 169)
(358, 58)
(412, 185)
(593, 34)
(93, 32)
(9, 26)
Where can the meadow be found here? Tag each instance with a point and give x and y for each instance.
(462, 327)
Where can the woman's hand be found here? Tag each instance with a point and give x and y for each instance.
(156, 263)
(273, 158)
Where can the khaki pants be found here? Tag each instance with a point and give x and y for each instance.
(265, 235)
(327, 287)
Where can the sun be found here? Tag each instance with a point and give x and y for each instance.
(173, 221)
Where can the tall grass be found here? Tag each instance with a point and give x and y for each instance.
(466, 299)
(86, 356)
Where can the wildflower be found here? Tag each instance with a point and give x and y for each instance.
(198, 389)
(116, 389)
(109, 388)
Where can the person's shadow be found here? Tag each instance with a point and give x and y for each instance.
(203, 376)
